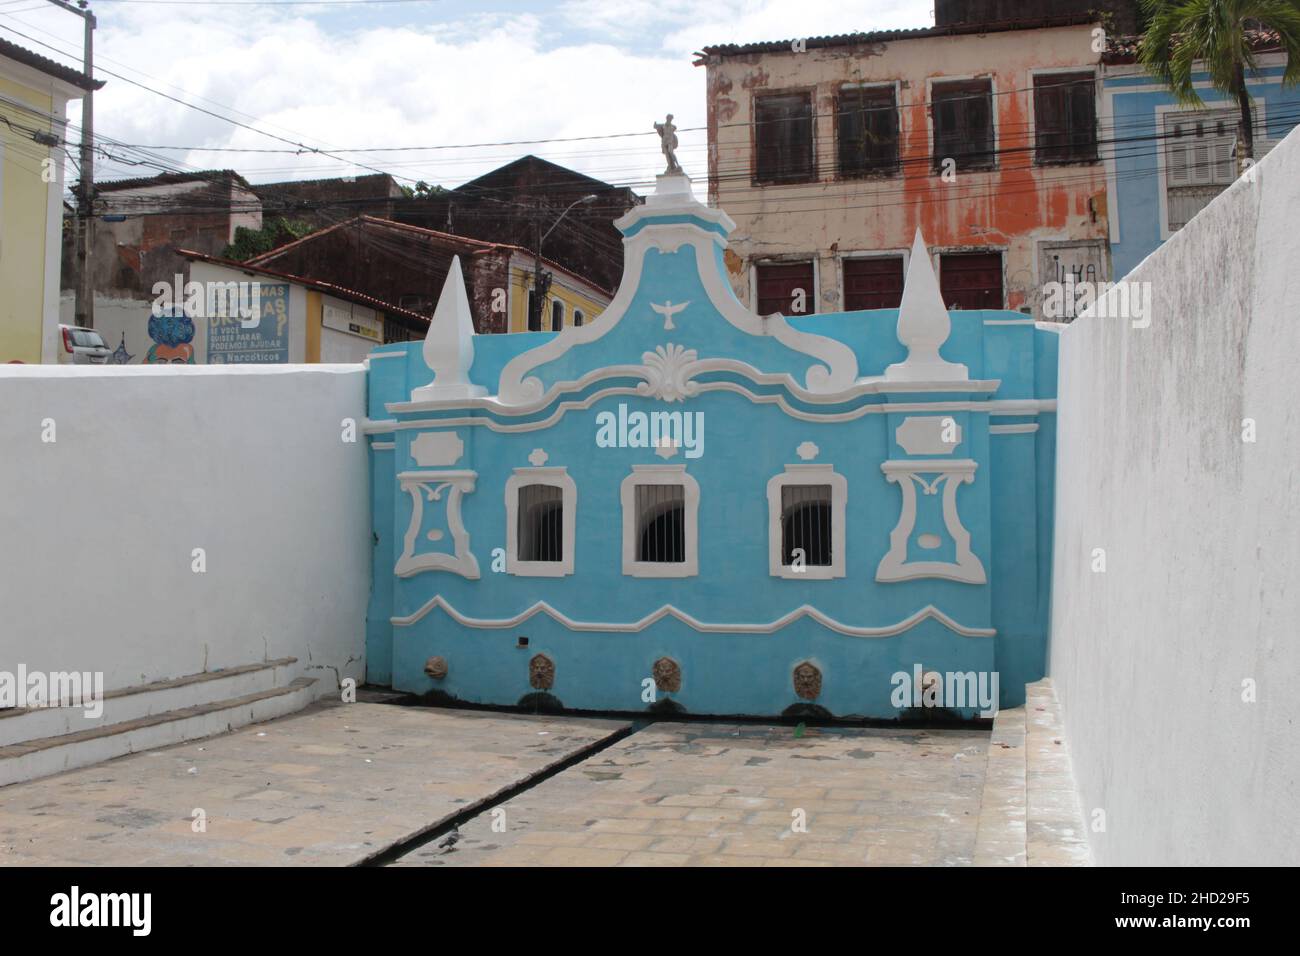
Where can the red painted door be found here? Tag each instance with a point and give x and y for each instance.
(786, 287)
(875, 283)
(971, 280)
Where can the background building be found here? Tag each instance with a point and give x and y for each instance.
(1176, 159)
(34, 93)
(407, 265)
(829, 152)
(301, 320)
(511, 202)
(140, 226)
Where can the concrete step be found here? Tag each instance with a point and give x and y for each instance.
(19, 725)
(50, 755)
(1029, 814)
(1000, 838)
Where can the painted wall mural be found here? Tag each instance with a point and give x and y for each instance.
(172, 332)
(685, 504)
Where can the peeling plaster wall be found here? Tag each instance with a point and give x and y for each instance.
(149, 463)
(1201, 532)
(1011, 208)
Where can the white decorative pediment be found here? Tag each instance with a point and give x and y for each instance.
(704, 230)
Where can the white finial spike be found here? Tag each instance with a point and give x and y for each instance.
(449, 343)
(923, 325)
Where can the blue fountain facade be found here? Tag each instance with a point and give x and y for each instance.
(687, 505)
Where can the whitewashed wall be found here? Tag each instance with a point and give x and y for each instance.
(1201, 533)
(98, 528)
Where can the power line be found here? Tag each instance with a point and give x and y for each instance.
(227, 119)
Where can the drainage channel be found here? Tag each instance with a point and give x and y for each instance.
(447, 825)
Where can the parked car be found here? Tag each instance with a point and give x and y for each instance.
(82, 346)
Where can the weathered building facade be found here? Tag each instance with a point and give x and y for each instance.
(830, 152)
(324, 202)
(139, 229)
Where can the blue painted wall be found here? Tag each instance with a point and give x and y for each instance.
(748, 439)
(1136, 183)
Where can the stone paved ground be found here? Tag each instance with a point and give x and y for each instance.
(330, 785)
(726, 795)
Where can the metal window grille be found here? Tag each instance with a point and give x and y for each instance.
(541, 523)
(661, 523)
(806, 524)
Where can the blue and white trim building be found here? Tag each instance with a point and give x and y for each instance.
(687, 502)
(1167, 161)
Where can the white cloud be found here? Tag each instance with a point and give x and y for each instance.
(586, 69)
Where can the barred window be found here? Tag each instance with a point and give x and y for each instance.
(541, 504)
(661, 523)
(806, 524)
(806, 506)
(541, 523)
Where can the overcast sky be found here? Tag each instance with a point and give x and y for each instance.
(441, 72)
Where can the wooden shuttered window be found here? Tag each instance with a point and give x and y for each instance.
(867, 131)
(1065, 118)
(962, 112)
(783, 137)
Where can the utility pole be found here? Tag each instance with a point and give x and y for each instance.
(542, 281)
(84, 309)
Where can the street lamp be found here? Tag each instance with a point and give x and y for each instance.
(541, 286)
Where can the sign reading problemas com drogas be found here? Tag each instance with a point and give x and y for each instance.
(231, 340)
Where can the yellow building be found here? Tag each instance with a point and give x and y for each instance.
(34, 93)
(571, 299)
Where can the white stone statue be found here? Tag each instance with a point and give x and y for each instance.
(668, 143)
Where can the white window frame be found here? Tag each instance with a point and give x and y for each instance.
(557, 477)
(661, 475)
(816, 474)
(1213, 102)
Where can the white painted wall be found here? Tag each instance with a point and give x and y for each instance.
(1202, 538)
(97, 528)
